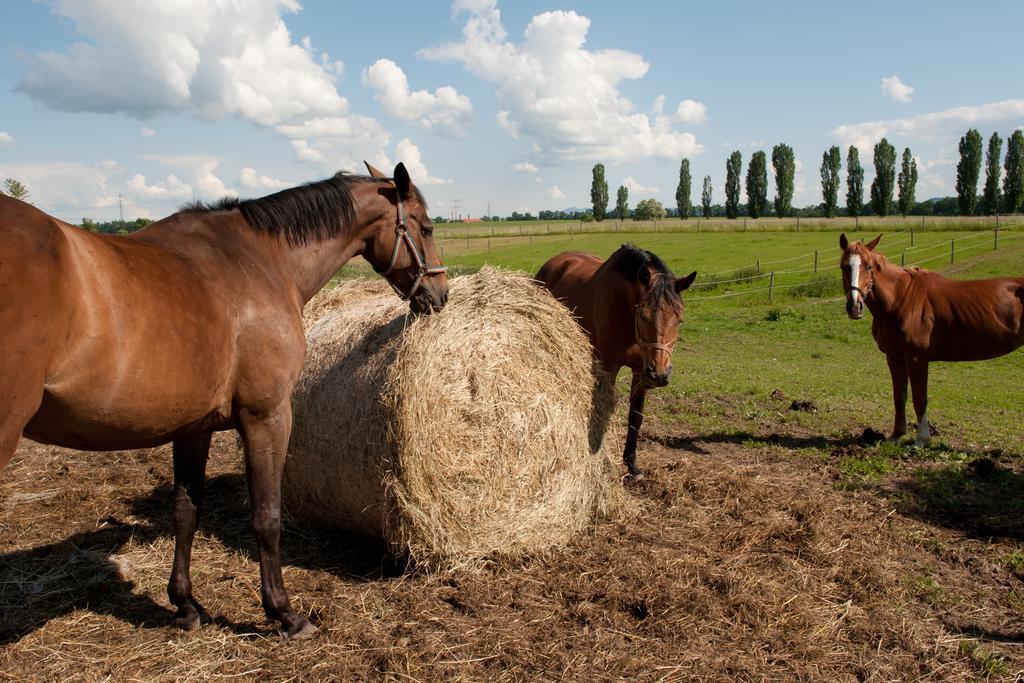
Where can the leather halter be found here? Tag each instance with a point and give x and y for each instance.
(657, 346)
(402, 236)
(867, 290)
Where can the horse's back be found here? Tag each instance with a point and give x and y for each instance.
(567, 274)
(958, 320)
(134, 338)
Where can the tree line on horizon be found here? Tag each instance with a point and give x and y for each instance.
(1009, 198)
(1003, 191)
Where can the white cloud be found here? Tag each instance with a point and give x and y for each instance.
(690, 111)
(209, 59)
(171, 188)
(147, 132)
(251, 180)
(445, 111)
(504, 119)
(935, 176)
(538, 180)
(201, 170)
(6, 139)
(636, 188)
(338, 142)
(753, 144)
(525, 167)
(409, 154)
(70, 189)
(896, 90)
(658, 108)
(561, 95)
(554, 192)
(938, 125)
(216, 58)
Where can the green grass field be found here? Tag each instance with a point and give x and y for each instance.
(737, 348)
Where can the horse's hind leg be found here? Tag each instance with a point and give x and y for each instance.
(266, 438)
(918, 370)
(190, 454)
(898, 370)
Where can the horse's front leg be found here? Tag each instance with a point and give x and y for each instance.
(898, 371)
(265, 436)
(637, 395)
(918, 371)
(190, 455)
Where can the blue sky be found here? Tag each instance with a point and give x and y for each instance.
(486, 101)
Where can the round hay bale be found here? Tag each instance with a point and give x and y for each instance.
(468, 434)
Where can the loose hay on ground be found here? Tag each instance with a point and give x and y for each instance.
(467, 434)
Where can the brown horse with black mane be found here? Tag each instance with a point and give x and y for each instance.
(631, 307)
(191, 326)
(919, 316)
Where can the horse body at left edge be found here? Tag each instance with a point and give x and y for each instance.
(190, 326)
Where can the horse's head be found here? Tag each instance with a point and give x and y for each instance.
(659, 311)
(402, 247)
(858, 264)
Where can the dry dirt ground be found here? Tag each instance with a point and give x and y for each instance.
(741, 563)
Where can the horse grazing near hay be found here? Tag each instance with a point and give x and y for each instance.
(631, 306)
(189, 326)
(919, 316)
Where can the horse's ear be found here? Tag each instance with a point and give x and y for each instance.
(843, 242)
(683, 283)
(873, 243)
(402, 181)
(374, 172)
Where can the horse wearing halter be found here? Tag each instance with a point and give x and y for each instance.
(871, 283)
(402, 236)
(644, 344)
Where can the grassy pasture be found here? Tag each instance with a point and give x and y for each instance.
(495, 229)
(737, 348)
(770, 543)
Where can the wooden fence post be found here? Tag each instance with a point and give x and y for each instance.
(952, 250)
(771, 285)
(815, 260)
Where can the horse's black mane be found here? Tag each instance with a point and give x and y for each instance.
(630, 260)
(308, 213)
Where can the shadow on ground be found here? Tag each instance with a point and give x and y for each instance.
(982, 498)
(692, 444)
(82, 571)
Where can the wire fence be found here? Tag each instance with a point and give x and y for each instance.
(824, 284)
(477, 229)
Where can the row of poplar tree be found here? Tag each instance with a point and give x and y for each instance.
(1010, 171)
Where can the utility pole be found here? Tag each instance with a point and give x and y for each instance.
(488, 209)
(455, 207)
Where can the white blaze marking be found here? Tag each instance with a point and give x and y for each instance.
(854, 272)
(923, 432)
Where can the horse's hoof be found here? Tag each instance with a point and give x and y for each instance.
(301, 631)
(632, 477)
(189, 618)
